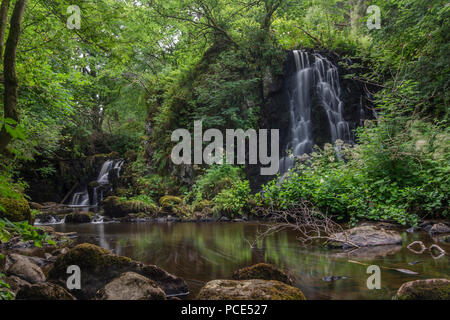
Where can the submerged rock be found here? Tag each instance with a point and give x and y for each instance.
(99, 267)
(44, 291)
(79, 217)
(255, 289)
(262, 271)
(22, 267)
(367, 236)
(439, 228)
(430, 289)
(131, 286)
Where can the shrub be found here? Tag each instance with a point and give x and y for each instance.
(215, 179)
(398, 172)
(234, 200)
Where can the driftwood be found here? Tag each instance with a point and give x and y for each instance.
(311, 224)
(434, 247)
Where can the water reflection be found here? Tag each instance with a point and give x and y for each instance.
(203, 252)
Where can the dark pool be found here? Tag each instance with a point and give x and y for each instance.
(206, 251)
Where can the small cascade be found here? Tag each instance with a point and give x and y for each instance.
(103, 176)
(315, 77)
(82, 199)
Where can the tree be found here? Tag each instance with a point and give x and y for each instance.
(9, 69)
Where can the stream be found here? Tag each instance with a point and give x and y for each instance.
(200, 252)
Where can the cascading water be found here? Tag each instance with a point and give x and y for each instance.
(319, 78)
(82, 199)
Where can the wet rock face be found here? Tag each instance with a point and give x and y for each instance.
(367, 236)
(249, 290)
(275, 112)
(430, 289)
(131, 286)
(262, 271)
(99, 267)
(44, 291)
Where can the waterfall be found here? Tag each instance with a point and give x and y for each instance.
(103, 176)
(317, 78)
(81, 199)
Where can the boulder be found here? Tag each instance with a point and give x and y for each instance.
(262, 271)
(131, 286)
(99, 267)
(430, 289)
(79, 217)
(255, 289)
(439, 228)
(367, 236)
(22, 267)
(44, 291)
(116, 207)
(15, 210)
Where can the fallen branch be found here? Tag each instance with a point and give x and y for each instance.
(311, 224)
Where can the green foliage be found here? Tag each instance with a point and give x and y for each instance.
(398, 172)
(215, 179)
(234, 200)
(25, 231)
(5, 294)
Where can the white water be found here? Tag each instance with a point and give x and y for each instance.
(81, 199)
(321, 79)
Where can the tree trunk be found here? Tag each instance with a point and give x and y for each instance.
(3, 23)
(9, 67)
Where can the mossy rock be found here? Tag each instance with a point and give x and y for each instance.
(262, 271)
(99, 267)
(118, 208)
(15, 210)
(169, 204)
(94, 184)
(429, 289)
(204, 206)
(113, 155)
(254, 289)
(79, 217)
(168, 201)
(44, 291)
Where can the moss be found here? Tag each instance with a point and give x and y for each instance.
(249, 290)
(89, 258)
(430, 289)
(169, 201)
(94, 184)
(262, 271)
(118, 207)
(131, 156)
(15, 209)
(79, 217)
